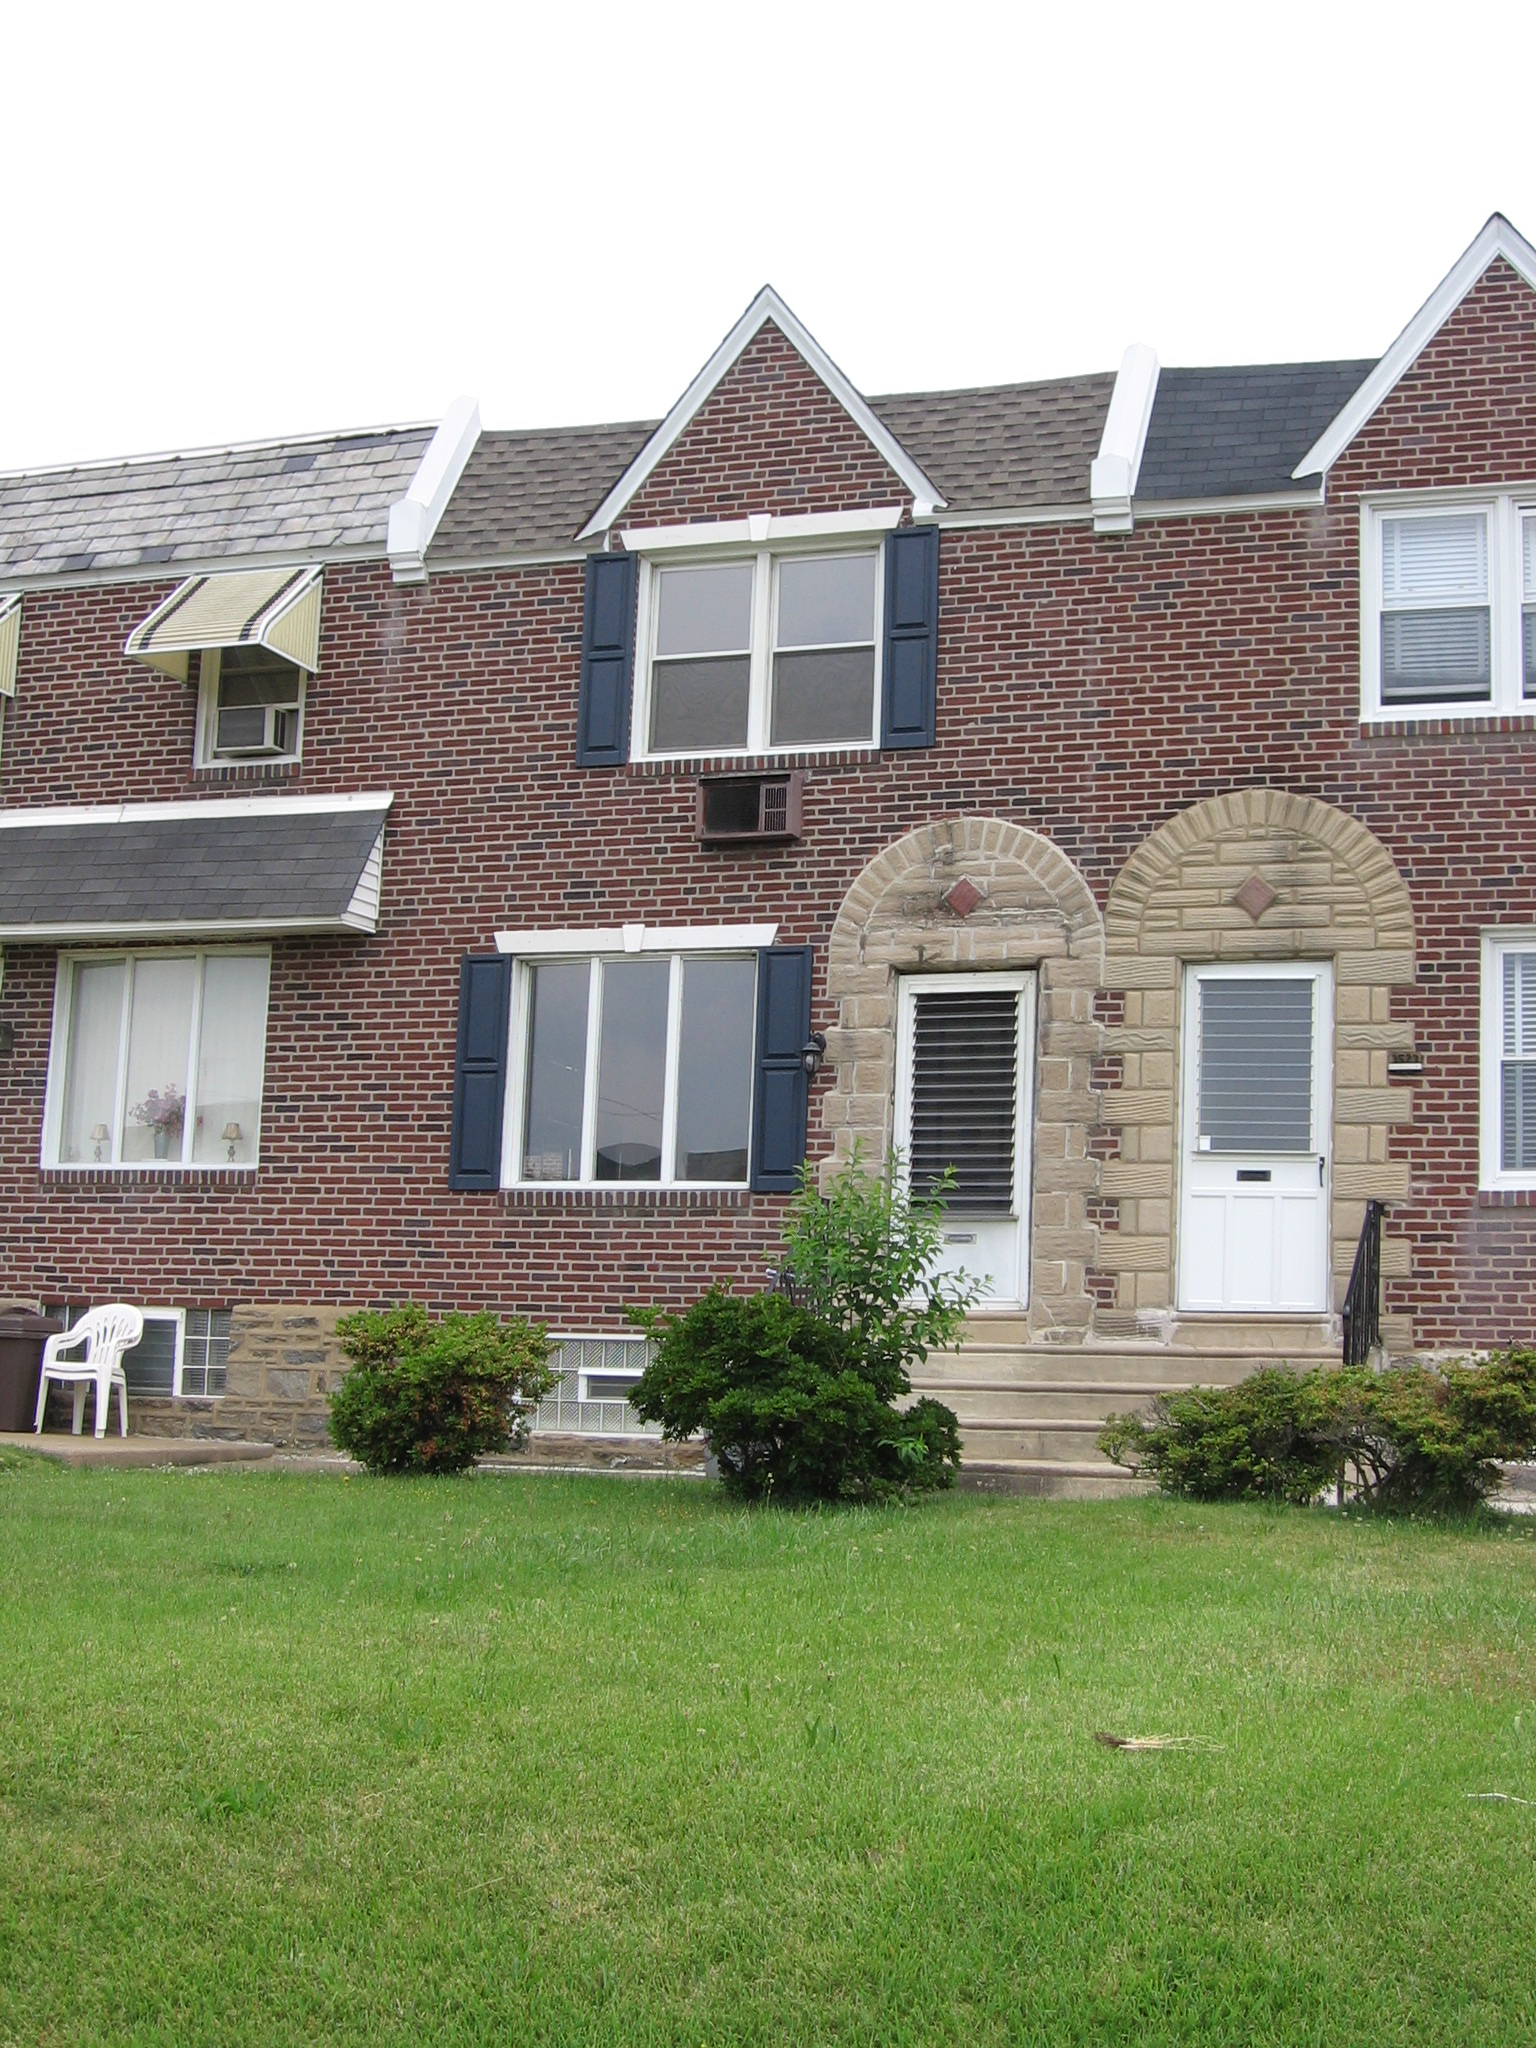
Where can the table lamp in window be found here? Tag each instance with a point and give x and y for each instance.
(101, 1134)
(231, 1139)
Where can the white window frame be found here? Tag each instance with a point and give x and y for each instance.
(1504, 510)
(206, 753)
(58, 1061)
(728, 942)
(862, 535)
(1492, 1177)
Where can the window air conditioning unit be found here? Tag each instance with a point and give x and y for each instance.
(761, 808)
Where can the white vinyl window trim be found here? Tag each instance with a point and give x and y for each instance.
(247, 1147)
(527, 959)
(208, 753)
(1497, 948)
(767, 561)
(1509, 592)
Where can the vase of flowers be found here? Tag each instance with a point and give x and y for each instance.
(162, 1111)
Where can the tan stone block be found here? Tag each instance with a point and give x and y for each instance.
(1385, 1180)
(1353, 1069)
(1371, 1037)
(1377, 1135)
(1350, 1144)
(1120, 1251)
(1140, 970)
(1152, 1290)
(1397, 1333)
(1137, 1106)
(1381, 968)
(1374, 1105)
(1396, 1258)
(1121, 1177)
(1352, 1005)
(1157, 1141)
(1157, 1069)
(1154, 1218)
(1160, 1009)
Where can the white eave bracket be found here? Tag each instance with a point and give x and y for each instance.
(1114, 470)
(414, 518)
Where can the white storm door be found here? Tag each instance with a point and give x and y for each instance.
(1257, 1095)
(963, 1086)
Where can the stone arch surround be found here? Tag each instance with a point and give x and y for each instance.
(1336, 894)
(1036, 910)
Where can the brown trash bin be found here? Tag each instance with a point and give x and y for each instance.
(22, 1337)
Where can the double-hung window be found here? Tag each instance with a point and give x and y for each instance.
(157, 1060)
(250, 706)
(1449, 624)
(633, 1067)
(1509, 1060)
(748, 654)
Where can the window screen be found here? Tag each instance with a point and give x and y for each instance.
(150, 1367)
(965, 1067)
(1255, 1088)
(1435, 628)
(1517, 1070)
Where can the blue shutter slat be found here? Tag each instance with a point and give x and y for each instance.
(607, 661)
(909, 684)
(480, 1071)
(781, 1090)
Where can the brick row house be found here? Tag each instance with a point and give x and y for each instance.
(480, 867)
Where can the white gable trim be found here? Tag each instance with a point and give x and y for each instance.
(766, 306)
(1497, 239)
(414, 518)
(1114, 470)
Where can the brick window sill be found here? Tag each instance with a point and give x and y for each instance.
(140, 1177)
(247, 771)
(1442, 728)
(1506, 1198)
(626, 1198)
(758, 764)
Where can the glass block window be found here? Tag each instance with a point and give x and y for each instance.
(589, 1398)
(205, 1351)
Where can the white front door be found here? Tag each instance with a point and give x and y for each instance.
(1257, 1095)
(963, 1079)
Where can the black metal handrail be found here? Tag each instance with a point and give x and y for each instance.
(1362, 1297)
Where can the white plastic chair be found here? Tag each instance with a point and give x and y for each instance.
(106, 1334)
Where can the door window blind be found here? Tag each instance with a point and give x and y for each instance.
(1435, 622)
(1517, 1073)
(965, 1069)
(1255, 1088)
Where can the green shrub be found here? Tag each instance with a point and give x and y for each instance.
(1412, 1437)
(790, 1410)
(424, 1396)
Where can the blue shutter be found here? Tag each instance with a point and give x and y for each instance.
(781, 1088)
(480, 1070)
(909, 686)
(607, 662)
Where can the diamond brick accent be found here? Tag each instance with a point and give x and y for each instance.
(1255, 896)
(962, 897)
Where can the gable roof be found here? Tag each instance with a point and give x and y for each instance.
(1222, 433)
(1498, 238)
(765, 307)
(297, 499)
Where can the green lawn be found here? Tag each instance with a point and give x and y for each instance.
(540, 1759)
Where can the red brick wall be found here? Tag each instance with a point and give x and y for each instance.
(1090, 687)
(769, 438)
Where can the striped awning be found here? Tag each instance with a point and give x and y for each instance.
(10, 641)
(274, 608)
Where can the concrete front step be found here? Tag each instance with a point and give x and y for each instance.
(1064, 1400)
(1082, 1365)
(1032, 1437)
(1050, 1478)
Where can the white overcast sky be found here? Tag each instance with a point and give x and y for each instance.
(229, 222)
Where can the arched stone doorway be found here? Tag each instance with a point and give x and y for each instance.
(1261, 875)
(1027, 907)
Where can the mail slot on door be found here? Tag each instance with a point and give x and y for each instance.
(1253, 1173)
(959, 1237)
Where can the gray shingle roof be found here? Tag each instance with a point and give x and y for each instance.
(1006, 445)
(536, 489)
(60, 878)
(296, 497)
(1226, 433)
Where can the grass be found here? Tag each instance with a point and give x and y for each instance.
(558, 1760)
